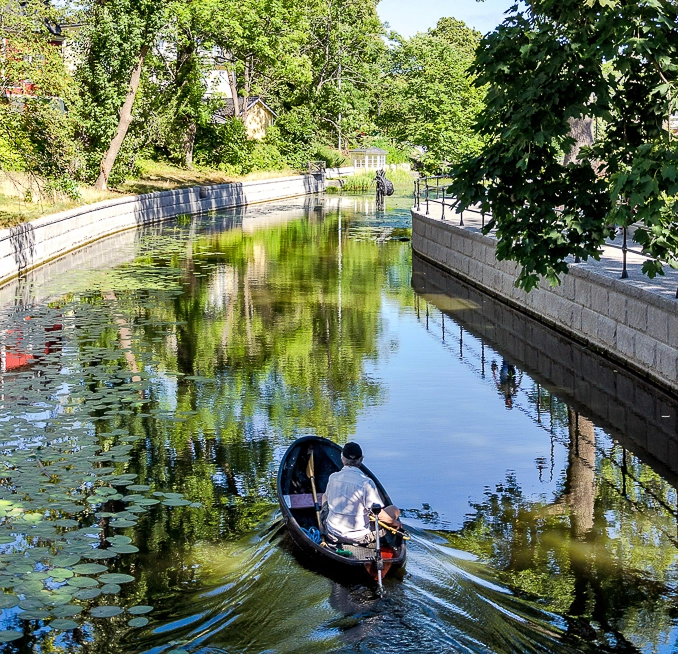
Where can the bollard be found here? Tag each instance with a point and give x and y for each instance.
(625, 273)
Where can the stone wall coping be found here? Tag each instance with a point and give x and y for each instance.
(53, 218)
(606, 281)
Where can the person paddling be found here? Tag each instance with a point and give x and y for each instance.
(348, 498)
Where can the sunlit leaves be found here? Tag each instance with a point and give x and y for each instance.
(558, 61)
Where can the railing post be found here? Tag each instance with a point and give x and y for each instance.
(625, 273)
(482, 220)
(461, 218)
(427, 196)
(443, 215)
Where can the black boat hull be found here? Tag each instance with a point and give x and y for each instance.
(298, 510)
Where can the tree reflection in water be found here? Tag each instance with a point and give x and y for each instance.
(601, 561)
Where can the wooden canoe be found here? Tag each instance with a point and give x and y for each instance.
(298, 509)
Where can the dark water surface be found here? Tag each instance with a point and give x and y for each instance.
(149, 390)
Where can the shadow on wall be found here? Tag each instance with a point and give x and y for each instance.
(640, 416)
(157, 207)
(22, 238)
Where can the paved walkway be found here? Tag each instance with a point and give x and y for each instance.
(610, 263)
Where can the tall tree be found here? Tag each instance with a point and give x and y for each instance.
(428, 98)
(345, 50)
(115, 42)
(558, 61)
(259, 41)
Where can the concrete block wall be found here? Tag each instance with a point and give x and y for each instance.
(637, 414)
(34, 243)
(635, 327)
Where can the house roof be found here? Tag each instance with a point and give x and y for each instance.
(370, 150)
(227, 109)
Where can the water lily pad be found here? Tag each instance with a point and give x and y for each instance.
(176, 502)
(105, 490)
(66, 522)
(110, 589)
(83, 582)
(19, 568)
(28, 587)
(8, 601)
(89, 568)
(9, 636)
(120, 523)
(147, 501)
(66, 610)
(139, 609)
(30, 604)
(61, 573)
(87, 593)
(115, 578)
(138, 622)
(139, 487)
(132, 498)
(99, 554)
(6, 540)
(34, 614)
(124, 549)
(119, 540)
(66, 560)
(105, 611)
(58, 597)
(64, 625)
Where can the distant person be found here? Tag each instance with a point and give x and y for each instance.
(349, 497)
(507, 381)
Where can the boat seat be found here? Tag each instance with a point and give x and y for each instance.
(302, 500)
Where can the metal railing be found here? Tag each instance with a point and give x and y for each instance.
(315, 167)
(433, 190)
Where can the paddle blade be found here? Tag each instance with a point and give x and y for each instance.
(310, 468)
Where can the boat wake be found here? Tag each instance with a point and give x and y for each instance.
(255, 596)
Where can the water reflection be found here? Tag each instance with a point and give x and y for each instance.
(538, 480)
(602, 548)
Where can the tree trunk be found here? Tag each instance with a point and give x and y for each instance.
(581, 474)
(123, 124)
(233, 83)
(581, 130)
(189, 144)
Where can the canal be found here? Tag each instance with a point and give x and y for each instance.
(150, 388)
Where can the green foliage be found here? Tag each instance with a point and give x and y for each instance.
(114, 35)
(361, 182)
(266, 156)
(332, 158)
(224, 146)
(428, 99)
(557, 61)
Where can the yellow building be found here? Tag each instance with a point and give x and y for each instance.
(259, 116)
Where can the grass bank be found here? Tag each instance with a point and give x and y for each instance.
(24, 198)
(363, 182)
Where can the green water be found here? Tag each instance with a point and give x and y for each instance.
(149, 392)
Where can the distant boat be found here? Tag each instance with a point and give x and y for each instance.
(295, 495)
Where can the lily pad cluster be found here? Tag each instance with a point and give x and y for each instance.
(65, 495)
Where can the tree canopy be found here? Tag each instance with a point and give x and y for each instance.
(549, 64)
(428, 97)
(144, 80)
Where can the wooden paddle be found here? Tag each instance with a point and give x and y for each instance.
(310, 473)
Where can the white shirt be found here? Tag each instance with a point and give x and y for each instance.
(350, 494)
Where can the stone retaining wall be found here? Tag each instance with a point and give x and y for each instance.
(635, 327)
(34, 243)
(638, 415)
